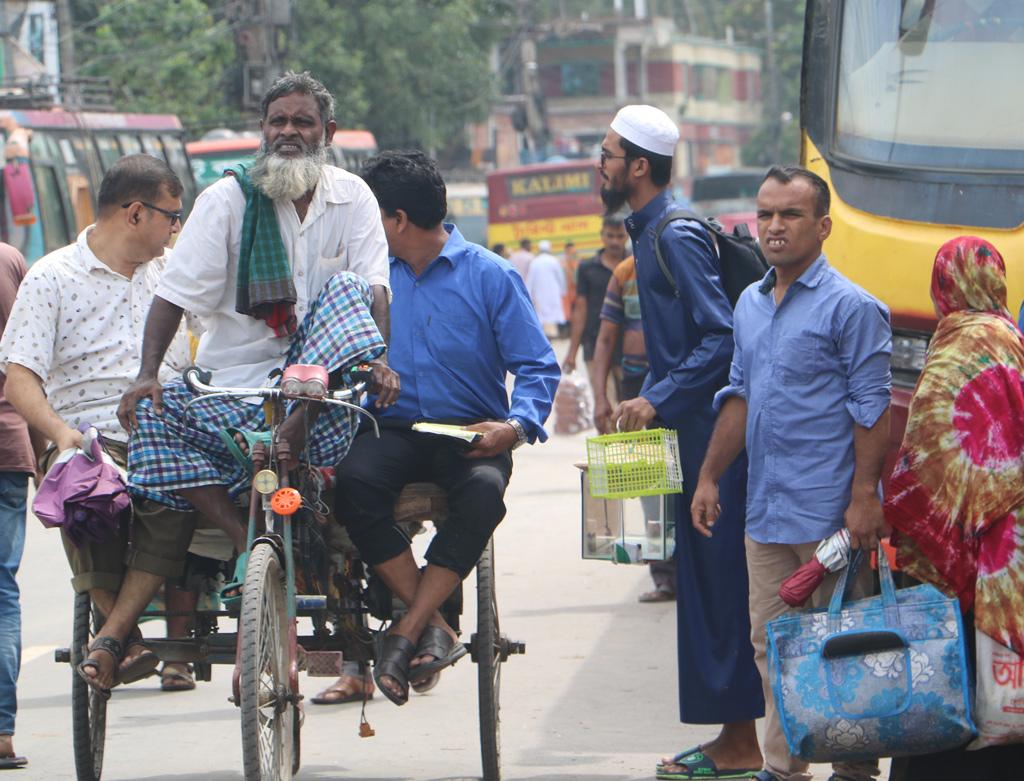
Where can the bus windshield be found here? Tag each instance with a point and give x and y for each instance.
(932, 84)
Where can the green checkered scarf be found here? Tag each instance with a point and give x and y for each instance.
(265, 289)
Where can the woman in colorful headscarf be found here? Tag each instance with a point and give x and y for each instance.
(956, 496)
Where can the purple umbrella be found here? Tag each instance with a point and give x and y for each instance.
(84, 493)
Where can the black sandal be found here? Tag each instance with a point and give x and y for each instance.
(394, 653)
(109, 645)
(143, 665)
(437, 643)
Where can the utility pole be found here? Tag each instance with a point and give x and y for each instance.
(774, 109)
(65, 31)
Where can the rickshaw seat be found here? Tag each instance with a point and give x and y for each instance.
(420, 502)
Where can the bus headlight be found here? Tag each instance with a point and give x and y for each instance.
(909, 351)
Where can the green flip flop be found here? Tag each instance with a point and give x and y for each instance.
(230, 600)
(252, 438)
(700, 766)
(678, 758)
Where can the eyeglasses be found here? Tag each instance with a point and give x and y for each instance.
(605, 157)
(172, 216)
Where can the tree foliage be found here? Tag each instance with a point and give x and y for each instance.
(168, 57)
(412, 71)
(778, 139)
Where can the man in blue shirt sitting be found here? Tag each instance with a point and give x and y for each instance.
(460, 321)
(808, 394)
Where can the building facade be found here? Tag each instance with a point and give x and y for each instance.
(582, 73)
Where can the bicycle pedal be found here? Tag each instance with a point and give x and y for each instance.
(324, 664)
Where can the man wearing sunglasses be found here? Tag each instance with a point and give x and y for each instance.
(72, 346)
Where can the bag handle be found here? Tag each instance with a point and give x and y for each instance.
(889, 603)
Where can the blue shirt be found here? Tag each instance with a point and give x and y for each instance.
(457, 330)
(688, 339)
(809, 368)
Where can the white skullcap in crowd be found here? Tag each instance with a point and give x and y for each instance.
(648, 127)
(544, 245)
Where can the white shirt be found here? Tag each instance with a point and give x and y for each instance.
(521, 259)
(342, 232)
(78, 326)
(546, 283)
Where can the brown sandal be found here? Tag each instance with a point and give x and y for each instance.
(347, 693)
(143, 665)
(172, 680)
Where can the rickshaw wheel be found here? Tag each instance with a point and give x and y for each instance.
(268, 710)
(88, 707)
(487, 650)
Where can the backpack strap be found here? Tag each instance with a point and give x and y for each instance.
(672, 216)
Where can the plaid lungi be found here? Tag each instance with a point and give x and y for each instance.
(184, 450)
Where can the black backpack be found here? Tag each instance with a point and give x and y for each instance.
(739, 255)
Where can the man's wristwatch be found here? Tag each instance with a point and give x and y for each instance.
(521, 438)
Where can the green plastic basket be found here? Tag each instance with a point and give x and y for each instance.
(634, 463)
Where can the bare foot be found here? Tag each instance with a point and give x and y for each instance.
(6, 746)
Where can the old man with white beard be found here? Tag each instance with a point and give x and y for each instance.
(283, 262)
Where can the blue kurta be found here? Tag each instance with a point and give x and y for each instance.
(689, 348)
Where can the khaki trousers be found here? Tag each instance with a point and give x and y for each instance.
(768, 564)
(154, 541)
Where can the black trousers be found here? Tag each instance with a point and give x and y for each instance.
(372, 475)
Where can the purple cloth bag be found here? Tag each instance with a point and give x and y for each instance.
(84, 493)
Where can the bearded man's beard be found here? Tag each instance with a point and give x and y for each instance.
(613, 199)
(288, 177)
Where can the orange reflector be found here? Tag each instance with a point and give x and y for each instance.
(286, 501)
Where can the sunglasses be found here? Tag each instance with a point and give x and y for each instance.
(174, 216)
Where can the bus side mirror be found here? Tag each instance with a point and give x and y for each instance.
(915, 18)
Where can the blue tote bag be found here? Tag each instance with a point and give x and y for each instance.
(880, 677)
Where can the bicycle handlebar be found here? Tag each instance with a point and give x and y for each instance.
(198, 381)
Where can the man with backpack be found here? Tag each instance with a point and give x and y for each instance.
(687, 326)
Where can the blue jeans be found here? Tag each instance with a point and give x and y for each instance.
(13, 491)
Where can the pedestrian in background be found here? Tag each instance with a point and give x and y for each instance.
(500, 250)
(17, 462)
(522, 257)
(808, 394)
(689, 345)
(546, 283)
(622, 334)
(956, 497)
(570, 264)
(592, 279)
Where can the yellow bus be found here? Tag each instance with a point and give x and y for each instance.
(559, 202)
(913, 112)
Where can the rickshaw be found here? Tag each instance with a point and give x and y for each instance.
(289, 546)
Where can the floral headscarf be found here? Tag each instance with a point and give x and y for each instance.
(956, 497)
(969, 276)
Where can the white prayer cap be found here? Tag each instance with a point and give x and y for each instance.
(544, 245)
(648, 127)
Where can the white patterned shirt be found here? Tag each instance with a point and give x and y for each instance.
(78, 326)
(342, 231)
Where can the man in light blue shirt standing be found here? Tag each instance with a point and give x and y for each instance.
(808, 395)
